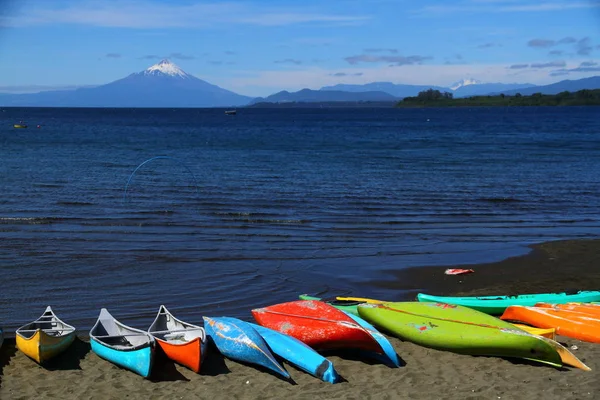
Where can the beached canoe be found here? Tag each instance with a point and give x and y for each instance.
(568, 323)
(238, 340)
(495, 305)
(319, 325)
(123, 345)
(182, 342)
(458, 329)
(344, 305)
(298, 354)
(45, 338)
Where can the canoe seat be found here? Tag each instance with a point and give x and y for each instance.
(117, 341)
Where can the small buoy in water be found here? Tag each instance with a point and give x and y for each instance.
(427, 119)
(38, 126)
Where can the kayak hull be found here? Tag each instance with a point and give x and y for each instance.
(568, 323)
(458, 329)
(317, 324)
(298, 354)
(495, 305)
(239, 341)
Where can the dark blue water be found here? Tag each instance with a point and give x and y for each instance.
(248, 210)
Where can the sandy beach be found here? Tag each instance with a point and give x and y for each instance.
(426, 373)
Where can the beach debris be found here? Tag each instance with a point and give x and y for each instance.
(458, 271)
(574, 347)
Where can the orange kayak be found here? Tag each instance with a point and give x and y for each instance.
(569, 323)
(586, 308)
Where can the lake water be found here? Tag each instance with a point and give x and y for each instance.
(234, 212)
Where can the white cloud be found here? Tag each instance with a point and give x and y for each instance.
(264, 83)
(142, 14)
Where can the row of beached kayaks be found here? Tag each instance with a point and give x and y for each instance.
(298, 331)
(493, 305)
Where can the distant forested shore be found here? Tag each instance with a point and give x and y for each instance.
(435, 98)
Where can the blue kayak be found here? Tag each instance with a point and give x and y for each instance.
(299, 354)
(120, 344)
(385, 344)
(238, 340)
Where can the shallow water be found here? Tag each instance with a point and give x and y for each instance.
(244, 211)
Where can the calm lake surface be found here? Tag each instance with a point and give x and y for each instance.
(229, 213)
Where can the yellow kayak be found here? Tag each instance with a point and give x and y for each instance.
(549, 333)
(45, 337)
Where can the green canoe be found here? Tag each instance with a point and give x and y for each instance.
(458, 329)
(495, 305)
(344, 305)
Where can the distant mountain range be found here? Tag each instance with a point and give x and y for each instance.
(166, 85)
(555, 88)
(312, 96)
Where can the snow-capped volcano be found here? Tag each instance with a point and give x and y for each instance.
(161, 85)
(465, 82)
(166, 67)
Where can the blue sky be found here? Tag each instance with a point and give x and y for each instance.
(260, 47)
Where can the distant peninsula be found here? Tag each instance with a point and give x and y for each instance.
(435, 98)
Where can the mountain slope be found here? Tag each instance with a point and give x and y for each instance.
(555, 88)
(482, 89)
(397, 90)
(161, 85)
(313, 96)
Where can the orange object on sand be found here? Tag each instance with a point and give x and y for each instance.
(585, 308)
(458, 271)
(573, 324)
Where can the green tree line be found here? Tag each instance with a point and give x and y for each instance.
(435, 98)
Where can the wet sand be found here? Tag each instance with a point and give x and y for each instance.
(426, 373)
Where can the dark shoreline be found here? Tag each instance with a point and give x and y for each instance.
(549, 267)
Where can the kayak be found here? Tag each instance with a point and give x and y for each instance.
(495, 305)
(319, 325)
(239, 341)
(385, 344)
(299, 354)
(591, 309)
(344, 305)
(549, 333)
(568, 323)
(461, 330)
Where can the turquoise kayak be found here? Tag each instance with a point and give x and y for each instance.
(299, 354)
(495, 305)
(385, 344)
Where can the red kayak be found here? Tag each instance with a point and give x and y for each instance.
(319, 325)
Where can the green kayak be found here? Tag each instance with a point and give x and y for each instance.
(344, 305)
(495, 305)
(458, 329)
